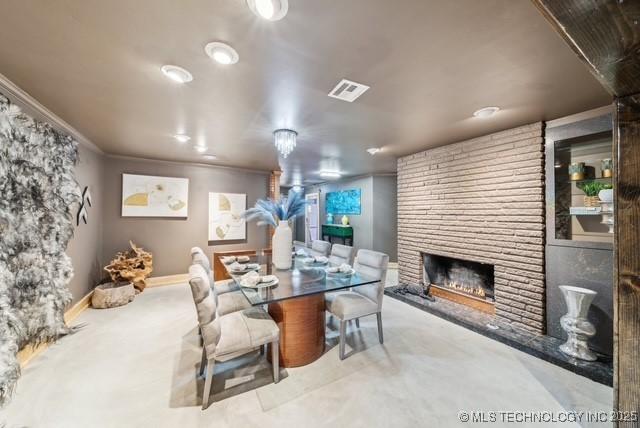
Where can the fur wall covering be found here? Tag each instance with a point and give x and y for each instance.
(38, 192)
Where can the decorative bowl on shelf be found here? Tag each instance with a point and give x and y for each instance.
(606, 195)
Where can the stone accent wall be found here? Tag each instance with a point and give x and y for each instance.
(480, 200)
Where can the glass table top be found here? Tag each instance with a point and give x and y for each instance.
(299, 281)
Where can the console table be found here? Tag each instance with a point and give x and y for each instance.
(338, 231)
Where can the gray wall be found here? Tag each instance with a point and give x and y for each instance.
(376, 227)
(85, 248)
(362, 224)
(171, 239)
(385, 215)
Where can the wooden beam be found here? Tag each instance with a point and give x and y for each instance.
(605, 34)
(626, 377)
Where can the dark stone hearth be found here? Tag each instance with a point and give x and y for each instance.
(540, 346)
(415, 290)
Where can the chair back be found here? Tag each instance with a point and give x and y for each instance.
(342, 254)
(206, 307)
(199, 257)
(321, 248)
(373, 264)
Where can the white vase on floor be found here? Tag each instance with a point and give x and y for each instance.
(575, 323)
(282, 245)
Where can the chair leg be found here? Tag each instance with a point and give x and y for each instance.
(203, 361)
(200, 339)
(357, 322)
(262, 349)
(379, 315)
(207, 383)
(275, 360)
(343, 331)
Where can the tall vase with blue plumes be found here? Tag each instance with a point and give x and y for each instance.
(278, 214)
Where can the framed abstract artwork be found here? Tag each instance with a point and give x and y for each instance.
(225, 216)
(344, 202)
(151, 196)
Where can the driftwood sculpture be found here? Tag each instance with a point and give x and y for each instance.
(132, 266)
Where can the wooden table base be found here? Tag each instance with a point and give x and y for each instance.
(302, 323)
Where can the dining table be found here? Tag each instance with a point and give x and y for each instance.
(297, 302)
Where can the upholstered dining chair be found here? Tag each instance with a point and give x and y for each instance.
(231, 301)
(228, 336)
(341, 254)
(225, 286)
(363, 300)
(320, 248)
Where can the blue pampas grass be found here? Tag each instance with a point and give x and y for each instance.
(270, 212)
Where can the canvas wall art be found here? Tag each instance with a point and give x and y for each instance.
(151, 196)
(344, 202)
(225, 216)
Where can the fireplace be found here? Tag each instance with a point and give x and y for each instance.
(462, 281)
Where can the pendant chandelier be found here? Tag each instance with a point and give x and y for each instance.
(285, 141)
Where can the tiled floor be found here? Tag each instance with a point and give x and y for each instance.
(135, 366)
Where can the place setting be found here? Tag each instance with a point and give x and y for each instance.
(300, 252)
(254, 280)
(315, 261)
(343, 271)
(227, 260)
(239, 268)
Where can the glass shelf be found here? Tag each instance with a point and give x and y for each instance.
(592, 179)
(573, 221)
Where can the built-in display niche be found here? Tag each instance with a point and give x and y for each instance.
(462, 281)
(583, 182)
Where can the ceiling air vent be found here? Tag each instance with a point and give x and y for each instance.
(347, 90)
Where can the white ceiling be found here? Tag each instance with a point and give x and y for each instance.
(430, 64)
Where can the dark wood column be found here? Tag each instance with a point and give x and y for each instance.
(627, 263)
(605, 34)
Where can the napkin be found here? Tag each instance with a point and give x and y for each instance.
(243, 259)
(236, 266)
(228, 259)
(321, 259)
(301, 252)
(250, 279)
(344, 268)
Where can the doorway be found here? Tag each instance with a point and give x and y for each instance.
(312, 218)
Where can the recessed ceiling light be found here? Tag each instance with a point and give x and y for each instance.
(177, 74)
(222, 53)
(210, 157)
(330, 174)
(373, 150)
(486, 111)
(183, 138)
(200, 149)
(273, 10)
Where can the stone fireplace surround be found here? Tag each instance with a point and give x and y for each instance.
(480, 200)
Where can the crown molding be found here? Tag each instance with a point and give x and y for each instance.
(20, 97)
(190, 163)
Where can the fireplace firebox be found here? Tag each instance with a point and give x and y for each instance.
(463, 281)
